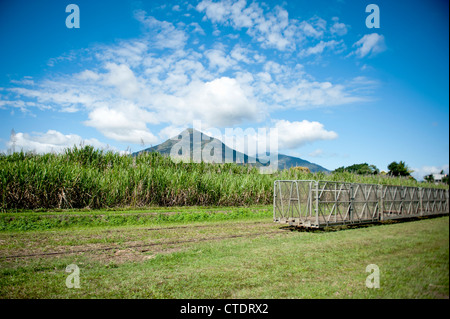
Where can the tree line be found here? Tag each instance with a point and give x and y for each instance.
(396, 169)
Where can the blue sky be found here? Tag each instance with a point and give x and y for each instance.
(137, 72)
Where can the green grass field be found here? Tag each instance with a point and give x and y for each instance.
(146, 227)
(217, 253)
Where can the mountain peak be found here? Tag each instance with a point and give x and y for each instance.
(187, 130)
(284, 161)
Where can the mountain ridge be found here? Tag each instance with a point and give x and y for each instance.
(284, 161)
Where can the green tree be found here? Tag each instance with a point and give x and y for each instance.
(361, 169)
(399, 169)
(429, 178)
(446, 180)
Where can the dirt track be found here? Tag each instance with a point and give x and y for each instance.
(126, 243)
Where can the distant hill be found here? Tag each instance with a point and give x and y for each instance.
(284, 161)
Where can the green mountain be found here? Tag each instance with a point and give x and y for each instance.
(284, 161)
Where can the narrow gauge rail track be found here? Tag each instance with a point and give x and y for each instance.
(145, 246)
(181, 227)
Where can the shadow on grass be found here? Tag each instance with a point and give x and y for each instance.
(335, 228)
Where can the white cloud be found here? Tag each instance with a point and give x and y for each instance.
(292, 135)
(130, 52)
(338, 28)
(306, 94)
(314, 27)
(321, 46)
(215, 11)
(162, 34)
(197, 28)
(171, 131)
(248, 56)
(221, 102)
(87, 75)
(176, 89)
(218, 59)
(370, 44)
(274, 67)
(27, 80)
(24, 106)
(272, 29)
(51, 93)
(419, 173)
(122, 78)
(52, 141)
(65, 57)
(125, 123)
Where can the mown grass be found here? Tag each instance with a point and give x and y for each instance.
(88, 178)
(64, 220)
(412, 257)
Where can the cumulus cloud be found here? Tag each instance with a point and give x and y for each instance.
(370, 44)
(221, 102)
(52, 142)
(125, 124)
(122, 78)
(338, 28)
(292, 135)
